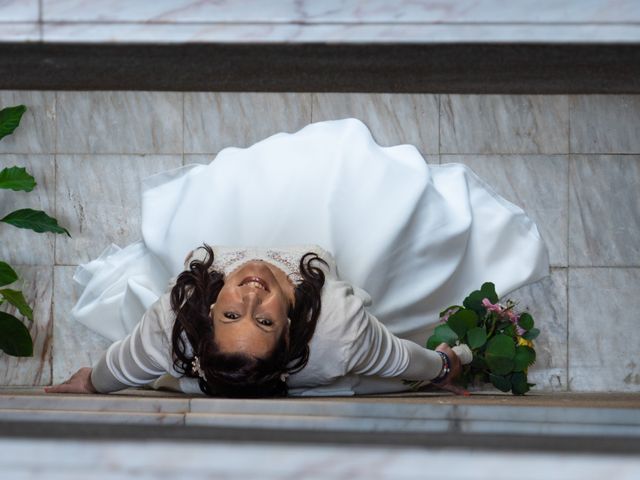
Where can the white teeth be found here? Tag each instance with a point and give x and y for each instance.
(255, 285)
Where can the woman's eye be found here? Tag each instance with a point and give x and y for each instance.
(231, 315)
(266, 322)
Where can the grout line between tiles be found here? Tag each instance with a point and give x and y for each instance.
(568, 200)
(439, 128)
(183, 128)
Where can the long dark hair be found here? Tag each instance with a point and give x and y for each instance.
(238, 374)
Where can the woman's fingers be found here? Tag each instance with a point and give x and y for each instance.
(80, 382)
(455, 389)
(61, 388)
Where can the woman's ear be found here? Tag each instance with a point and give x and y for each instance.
(211, 309)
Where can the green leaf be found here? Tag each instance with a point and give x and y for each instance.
(445, 333)
(479, 363)
(476, 337)
(433, 342)
(501, 345)
(463, 320)
(16, 298)
(501, 382)
(510, 330)
(499, 365)
(474, 302)
(499, 354)
(15, 339)
(524, 357)
(526, 321)
(35, 220)
(519, 383)
(7, 274)
(531, 334)
(488, 291)
(447, 309)
(16, 178)
(10, 119)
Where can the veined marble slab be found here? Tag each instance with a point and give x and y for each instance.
(343, 11)
(504, 124)
(186, 460)
(331, 33)
(23, 246)
(215, 120)
(604, 210)
(37, 130)
(19, 11)
(603, 329)
(37, 285)
(74, 345)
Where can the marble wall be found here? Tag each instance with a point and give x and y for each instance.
(178, 21)
(572, 162)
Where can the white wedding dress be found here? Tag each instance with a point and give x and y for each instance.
(416, 237)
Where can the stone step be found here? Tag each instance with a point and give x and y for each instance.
(567, 421)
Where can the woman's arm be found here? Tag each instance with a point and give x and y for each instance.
(139, 358)
(376, 351)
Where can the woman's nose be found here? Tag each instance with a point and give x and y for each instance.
(252, 297)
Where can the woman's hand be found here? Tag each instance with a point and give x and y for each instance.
(80, 382)
(456, 370)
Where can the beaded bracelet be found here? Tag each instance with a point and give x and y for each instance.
(446, 368)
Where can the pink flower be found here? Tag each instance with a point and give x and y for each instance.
(490, 306)
(448, 313)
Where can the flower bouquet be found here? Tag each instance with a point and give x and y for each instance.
(498, 340)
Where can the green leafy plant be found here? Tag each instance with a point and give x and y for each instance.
(15, 338)
(500, 339)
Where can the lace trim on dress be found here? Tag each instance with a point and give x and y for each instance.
(287, 259)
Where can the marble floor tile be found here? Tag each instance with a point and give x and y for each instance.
(537, 184)
(19, 245)
(605, 123)
(98, 198)
(604, 210)
(36, 284)
(546, 300)
(119, 122)
(603, 329)
(504, 124)
(36, 132)
(19, 10)
(74, 345)
(215, 120)
(392, 118)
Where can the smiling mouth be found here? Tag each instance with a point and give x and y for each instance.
(255, 282)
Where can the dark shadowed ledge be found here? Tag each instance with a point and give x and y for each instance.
(433, 68)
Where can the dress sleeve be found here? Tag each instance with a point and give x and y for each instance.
(140, 357)
(377, 351)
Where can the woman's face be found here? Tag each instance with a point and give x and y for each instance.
(250, 313)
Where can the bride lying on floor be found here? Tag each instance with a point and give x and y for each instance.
(319, 262)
